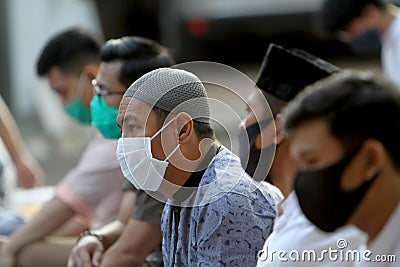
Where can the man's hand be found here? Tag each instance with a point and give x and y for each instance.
(29, 172)
(87, 252)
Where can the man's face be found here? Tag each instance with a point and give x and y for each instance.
(255, 109)
(65, 85)
(354, 29)
(312, 148)
(137, 119)
(256, 112)
(70, 85)
(106, 80)
(368, 19)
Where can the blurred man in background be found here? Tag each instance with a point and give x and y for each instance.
(366, 24)
(284, 74)
(89, 196)
(123, 242)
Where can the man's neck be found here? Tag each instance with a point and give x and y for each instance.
(176, 177)
(378, 205)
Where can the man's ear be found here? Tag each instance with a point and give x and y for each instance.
(90, 71)
(185, 127)
(375, 157)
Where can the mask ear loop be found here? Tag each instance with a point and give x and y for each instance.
(173, 151)
(162, 129)
(80, 89)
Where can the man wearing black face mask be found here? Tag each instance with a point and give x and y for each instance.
(349, 157)
(285, 73)
(282, 75)
(366, 25)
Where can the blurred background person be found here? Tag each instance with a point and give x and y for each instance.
(366, 25)
(29, 172)
(126, 241)
(89, 196)
(348, 158)
(283, 75)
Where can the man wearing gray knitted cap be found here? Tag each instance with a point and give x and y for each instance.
(215, 215)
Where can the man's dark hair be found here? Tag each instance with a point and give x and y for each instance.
(335, 15)
(138, 56)
(356, 105)
(69, 51)
(202, 129)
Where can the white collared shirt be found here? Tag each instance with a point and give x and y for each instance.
(390, 54)
(387, 243)
(298, 238)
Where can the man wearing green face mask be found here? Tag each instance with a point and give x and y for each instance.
(122, 62)
(89, 196)
(75, 108)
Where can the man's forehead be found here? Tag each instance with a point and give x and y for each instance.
(313, 130)
(132, 104)
(133, 108)
(109, 68)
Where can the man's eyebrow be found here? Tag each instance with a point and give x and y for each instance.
(129, 117)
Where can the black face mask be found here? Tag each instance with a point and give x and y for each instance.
(321, 198)
(368, 43)
(255, 161)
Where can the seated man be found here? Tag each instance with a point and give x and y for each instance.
(29, 173)
(123, 242)
(348, 158)
(367, 25)
(90, 192)
(283, 74)
(215, 214)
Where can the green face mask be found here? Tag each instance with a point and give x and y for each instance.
(78, 111)
(104, 118)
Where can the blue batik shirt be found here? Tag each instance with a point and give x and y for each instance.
(229, 222)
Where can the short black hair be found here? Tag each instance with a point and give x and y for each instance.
(138, 55)
(335, 15)
(70, 51)
(202, 129)
(355, 105)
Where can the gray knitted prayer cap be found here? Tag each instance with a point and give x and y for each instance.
(172, 90)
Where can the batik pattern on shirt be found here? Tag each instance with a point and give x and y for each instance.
(231, 229)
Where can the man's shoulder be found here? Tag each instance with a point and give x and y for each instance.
(99, 154)
(226, 179)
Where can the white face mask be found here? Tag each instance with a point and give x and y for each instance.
(138, 165)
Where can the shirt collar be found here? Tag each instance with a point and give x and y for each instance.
(191, 185)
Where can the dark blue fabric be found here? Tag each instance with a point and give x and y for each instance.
(9, 221)
(228, 231)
